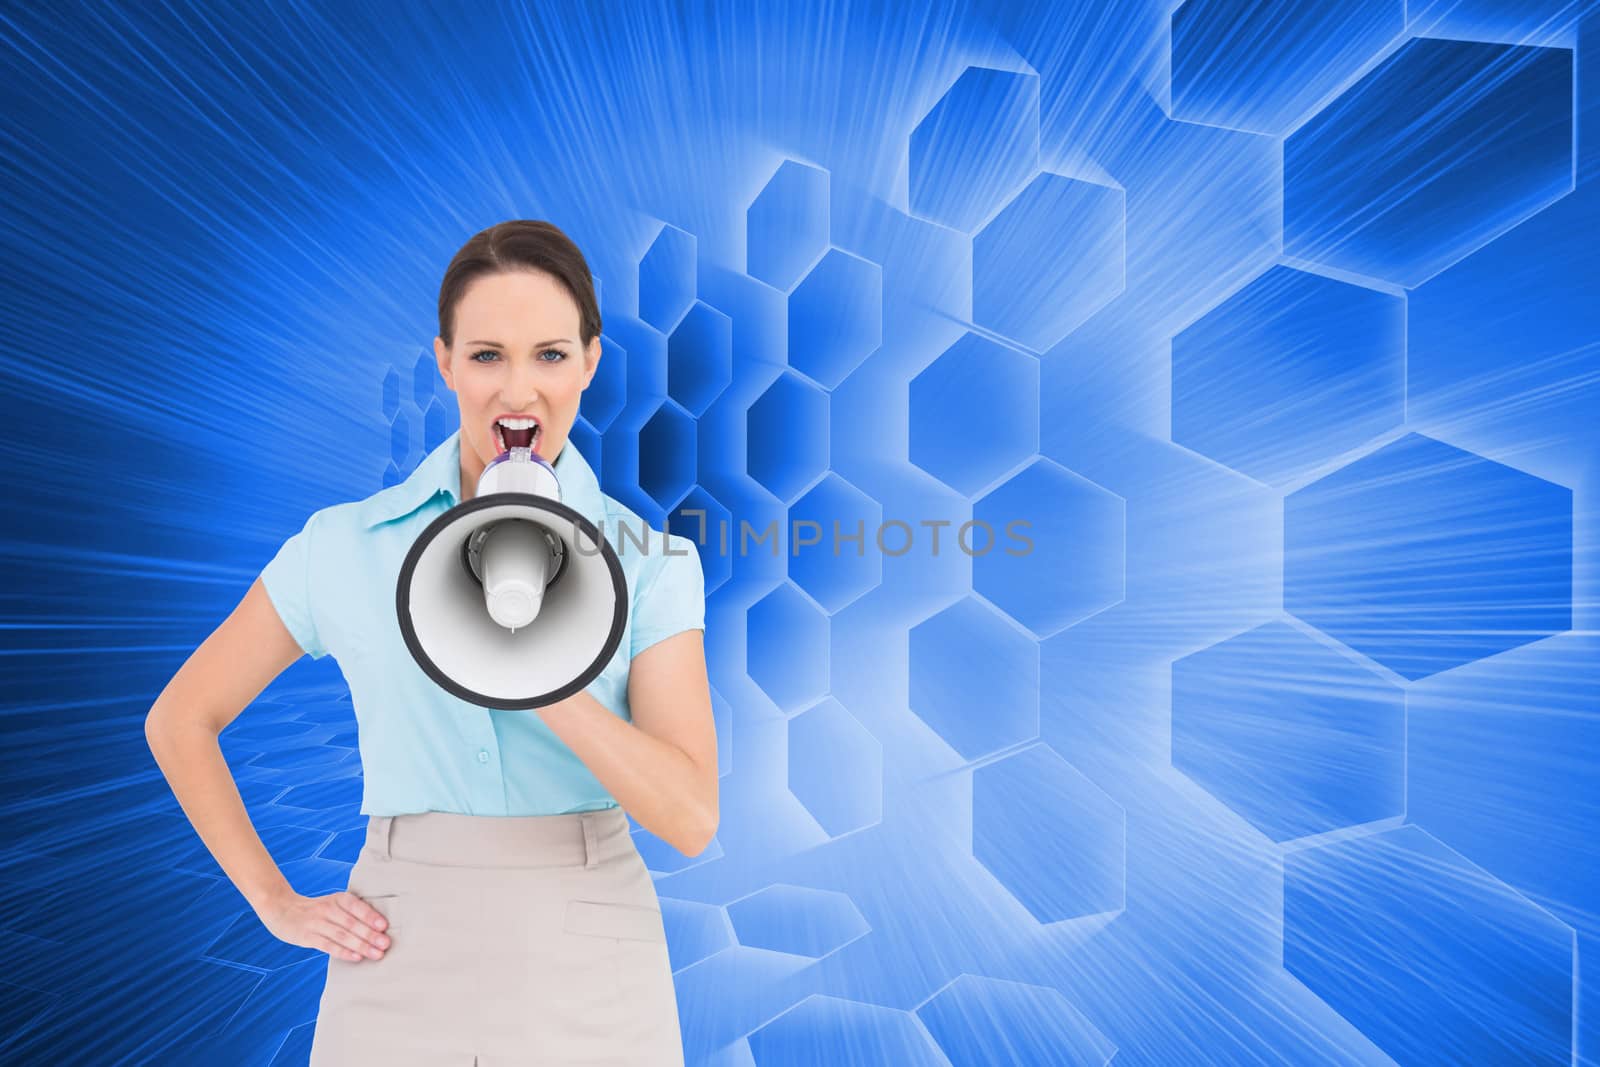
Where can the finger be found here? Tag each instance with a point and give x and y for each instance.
(349, 939)
(363, 936)
(351, 920)
(362, 910)
(334, 949)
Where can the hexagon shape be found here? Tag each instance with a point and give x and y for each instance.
(1288, 373)
(1055, 545)
(976, 391)
(694, 931)
(1260, 67)
(1048, 260)
(334, 710)
(586, 439)
(391, 475)
(972, 1017)
(391, 394)
(977, 712)
(975, 148)
(311, 757)
(835, 768)
(835, 317)
(247, 943)
(345, 846)
(667, 278)
(1430, 957)
(786, 228)
(722, 713)
(710, 526)
(1541, 21)
(1435, 152)
(62, 1031)
(286, 844)
(1501, 342)
(423, 374)
(325, 795)
(824, 1029)
(1498, 755)
(646, 378)
(661, 858)
(1296, 737)
(791, 410)
(400, 440)
(1069, 857)
(667, 454)
(254, 1033)
(833, 551)
(435, 425)
(607, 392)
(700, 358)
(1424, 557)
(786, 650)
(619, 475)
(798, 920)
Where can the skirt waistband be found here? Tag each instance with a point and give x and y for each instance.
(452, 839)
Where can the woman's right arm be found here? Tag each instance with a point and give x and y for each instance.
(228, 671)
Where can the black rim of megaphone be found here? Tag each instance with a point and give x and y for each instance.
(403, 609)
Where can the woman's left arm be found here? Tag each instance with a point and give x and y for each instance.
(661, 767)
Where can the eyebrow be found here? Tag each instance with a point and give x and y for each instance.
(541, 344)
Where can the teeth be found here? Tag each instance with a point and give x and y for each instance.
(502, 425)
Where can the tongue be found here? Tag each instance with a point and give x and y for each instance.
(517, 438)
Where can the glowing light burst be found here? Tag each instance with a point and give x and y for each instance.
(1297, 745)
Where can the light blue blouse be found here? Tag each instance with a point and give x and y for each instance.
(422, 749)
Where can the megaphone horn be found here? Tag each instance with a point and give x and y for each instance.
(512, 599)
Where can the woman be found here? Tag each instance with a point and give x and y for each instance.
(498, 911)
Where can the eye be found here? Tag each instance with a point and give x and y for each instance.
(556, 352)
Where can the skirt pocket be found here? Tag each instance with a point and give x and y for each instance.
(631, 1002)
(604, 918)
(390, 906)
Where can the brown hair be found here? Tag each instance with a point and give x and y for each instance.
(520, 244)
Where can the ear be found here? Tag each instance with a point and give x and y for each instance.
(441, 356)
(591, 360)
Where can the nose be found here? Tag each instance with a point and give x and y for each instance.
(522, 387)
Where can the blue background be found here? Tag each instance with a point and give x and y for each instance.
(1276, 321)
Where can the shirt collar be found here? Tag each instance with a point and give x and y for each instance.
(440, 472)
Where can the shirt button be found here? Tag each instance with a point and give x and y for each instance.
(483, 755)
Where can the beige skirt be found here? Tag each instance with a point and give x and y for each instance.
(514, 940)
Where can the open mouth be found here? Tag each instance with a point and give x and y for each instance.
(515, 433)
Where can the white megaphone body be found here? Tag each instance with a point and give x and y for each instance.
(512, 599)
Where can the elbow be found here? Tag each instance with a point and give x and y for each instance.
(158, 735)
(154, 730)
(693, 846)
(697, 838)
(162, 724)
(696, 832)
(699, 814)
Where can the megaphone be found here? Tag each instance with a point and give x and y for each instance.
(512, 599)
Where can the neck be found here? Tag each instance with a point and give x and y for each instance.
(471, 471)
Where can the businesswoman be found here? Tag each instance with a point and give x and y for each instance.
(498, 912)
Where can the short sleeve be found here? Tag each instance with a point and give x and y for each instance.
(287, 579)
(671, 597)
